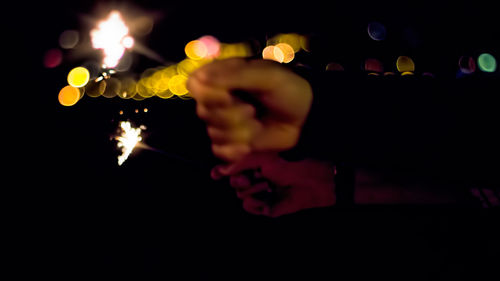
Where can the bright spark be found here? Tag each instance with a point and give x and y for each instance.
(111, 35)
(128, 140)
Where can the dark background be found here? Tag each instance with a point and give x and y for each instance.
(77, 213)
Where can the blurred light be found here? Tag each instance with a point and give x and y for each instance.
(125, 63)
(69, 39)
(377, 31)
(466, 64)
(389, 73)
(185, 67)
(109, 36)
(52, 58)
(69, 96)
(292, 39)
(128, 42)
(113, 87)
(95, 88)
(273, 53)
(287, 50)
(239, 50)
(177, 85)
(304, 43)
(407, 73)
(78, 77)
(196, 50)
(428, 74)
(141, 26)
(487, 62)
(373, 74)
(405, 64)
(127, 140)
(373, 65)
(212, 45)
(128, 88)
(145, 110)
(333, 66)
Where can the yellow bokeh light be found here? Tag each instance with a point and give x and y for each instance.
(113, 87)
(288, 52)
(128, 88)
(292, 39)
(196, 50)
(187, 66)
(273, 53)
(405, 64)
(240, 50)
(95, 88)
(69, 96)
(177, 85)
(78, 77)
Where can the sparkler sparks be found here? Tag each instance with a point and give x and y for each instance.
(128, 140)
(111, 35)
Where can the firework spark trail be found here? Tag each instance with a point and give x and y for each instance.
(128, 140)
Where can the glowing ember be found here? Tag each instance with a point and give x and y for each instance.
(111, 35)
(128, 140)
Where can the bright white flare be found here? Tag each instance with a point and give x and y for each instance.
(127, 141)
(111, 35)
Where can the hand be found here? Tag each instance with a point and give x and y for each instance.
(299, 185)
(232, 124)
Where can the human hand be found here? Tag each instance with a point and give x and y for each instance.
(232, 125)
(298, 185)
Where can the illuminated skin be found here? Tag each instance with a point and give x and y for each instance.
(232, 125)
(299, 185)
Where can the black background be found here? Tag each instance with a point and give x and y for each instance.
(76, 213)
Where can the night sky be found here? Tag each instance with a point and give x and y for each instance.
(80, 214)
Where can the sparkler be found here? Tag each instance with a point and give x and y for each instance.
(111, 35)
(128, 140)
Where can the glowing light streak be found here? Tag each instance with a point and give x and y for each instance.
(111, 35)
(128, 140)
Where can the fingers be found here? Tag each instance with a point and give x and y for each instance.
(231, 152)
(235, 117)
(207, 95)
(243, 193)
(253, 161)
(256, 207)
(238, 73)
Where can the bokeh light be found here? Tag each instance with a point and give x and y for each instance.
(405, 64)
(196, 50)
(113, 87)
(487, 62)
(128, 88)
(69, 96)
(177, 85)
(287, 50)
(212, 44)
(52, 58)
(95, 89)
(78, 77)
(69, 39)
(373, 65)
(466, 64)
(377, 31)
(273, 53)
